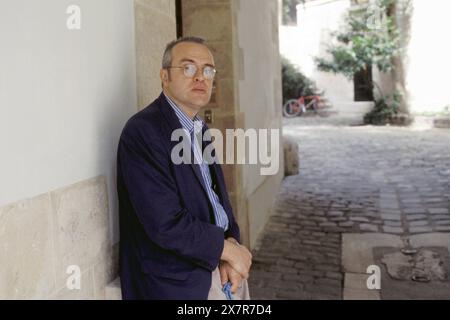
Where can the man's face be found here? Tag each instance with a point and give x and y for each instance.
(191, 93)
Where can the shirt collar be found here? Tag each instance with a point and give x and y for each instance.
(186, 122)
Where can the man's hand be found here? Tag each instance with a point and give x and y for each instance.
(238, 257)
(227, 273)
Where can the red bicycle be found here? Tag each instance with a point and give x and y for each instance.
(296, 107)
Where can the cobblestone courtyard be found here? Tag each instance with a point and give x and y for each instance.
(353, 179)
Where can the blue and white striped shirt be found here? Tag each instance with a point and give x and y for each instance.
(192, 127)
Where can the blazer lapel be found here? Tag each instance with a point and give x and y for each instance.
(174, 124)
(198, 174)
(214, 169)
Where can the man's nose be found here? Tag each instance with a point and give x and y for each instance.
(199, 75)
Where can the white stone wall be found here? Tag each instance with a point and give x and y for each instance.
(65, 96)
(426, 59)
(259, 99)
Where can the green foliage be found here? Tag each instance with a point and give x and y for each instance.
(295, 84)
(369, 38)
(385, 108)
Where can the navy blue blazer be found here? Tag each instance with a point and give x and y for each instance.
(169, 244)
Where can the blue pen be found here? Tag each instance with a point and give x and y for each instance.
(227, 290)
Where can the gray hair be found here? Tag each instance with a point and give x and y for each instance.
(167, 56)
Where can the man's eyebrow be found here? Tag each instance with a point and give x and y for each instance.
(192, 61)
(187, 60)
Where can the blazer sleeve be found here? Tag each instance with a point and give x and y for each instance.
(154, 196)
(233, 230)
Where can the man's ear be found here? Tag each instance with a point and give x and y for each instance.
(164, 75)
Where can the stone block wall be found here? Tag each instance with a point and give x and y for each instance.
(41, 237)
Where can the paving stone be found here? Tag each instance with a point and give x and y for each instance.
(346, 224)
(359, 219)
(438, 210)
(327, 267)
(323, 289)
(368, 227)
(433, 200)
(292, 295)
(334, 213)
(313, 242)
(388, 216)
(415, 217)
(319, 234)
(313, 273)
(297, 256)
(415, 211)
(418, 223)
(395, 230)
(440, 217)
(330, 282)
(392, 223)
(292, 277)
(420, 229)
(334, 275)
(285, 285)
(338, 219)
(389, 204)
(442, 222)
(283, 270)
(361, 294)
(285, 263)
(328, 224)
(391, 212)
(443, 228)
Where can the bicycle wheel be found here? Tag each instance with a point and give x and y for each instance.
(291, 108)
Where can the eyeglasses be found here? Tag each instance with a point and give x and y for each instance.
(190, 70)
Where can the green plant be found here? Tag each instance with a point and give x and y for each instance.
(295, 83)
(385, 108)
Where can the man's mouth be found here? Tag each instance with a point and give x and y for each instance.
(199, 90)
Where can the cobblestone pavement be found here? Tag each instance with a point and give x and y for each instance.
(352, 179)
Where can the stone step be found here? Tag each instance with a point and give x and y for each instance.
(442, 122)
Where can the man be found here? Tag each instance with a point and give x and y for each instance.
(178, 236)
